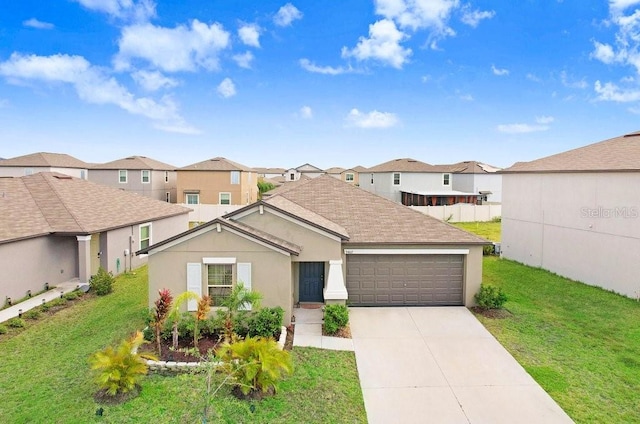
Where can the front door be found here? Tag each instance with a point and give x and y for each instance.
(311, 281)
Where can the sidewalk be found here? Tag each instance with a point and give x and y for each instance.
(62, 288)
(308, 331)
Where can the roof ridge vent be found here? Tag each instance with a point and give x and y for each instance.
(633, 134)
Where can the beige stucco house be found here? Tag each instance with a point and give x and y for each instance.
(323, 240)
(44, 162)
(349, 175)
(577, 213)
(138, 174)
(217, 181)
(56, 228)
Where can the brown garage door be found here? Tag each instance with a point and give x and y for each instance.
(405, 279)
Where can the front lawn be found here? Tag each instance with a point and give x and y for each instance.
(490, 230)
(45, 377)
(581, 343)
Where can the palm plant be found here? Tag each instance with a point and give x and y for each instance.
(174, 314)
(239, 298)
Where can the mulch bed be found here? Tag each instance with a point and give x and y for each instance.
(185, 351)
(491, 313)
(344, 333)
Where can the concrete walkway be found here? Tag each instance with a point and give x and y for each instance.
(14, 311)
(308, 331)
(440, 365)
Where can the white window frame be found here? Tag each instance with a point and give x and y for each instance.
(235, 177)
(126, 176)
(393, 178)
(186, 198)
(349, 177)
(28, 171)
(167, 196)
(166, 176)
(140, 239)
(220, 198)
(224, 275)
(448, 183)
(142, 174)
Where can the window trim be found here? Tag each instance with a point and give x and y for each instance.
(209, 286)
(126, 176)
(449, 179)
(220, 198)
(231, 174)
(186, 198)
(142, 172)
(393, 178)
(140, 239)
(346, 177)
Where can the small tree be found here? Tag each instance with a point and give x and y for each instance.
(160, 313)
(239, 298)
(264, 186)
(102, 282)
(174, 315)
(204, 306)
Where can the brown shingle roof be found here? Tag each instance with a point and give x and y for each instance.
(468, 167)
(369, 218)
(292, 208)
(54, 203)
(216, 164)
(616, 154)
(270, 170)
(403, 165)
(135, 162)
(360, 168)
(44, 159)
(335, 170)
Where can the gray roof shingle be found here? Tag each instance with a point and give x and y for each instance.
(46, 160)
(135, 162)
(403, 165)
(216, 164)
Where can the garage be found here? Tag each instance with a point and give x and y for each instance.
(405, 279)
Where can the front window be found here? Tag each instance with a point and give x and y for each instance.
(146, 176)
(166, 176)
(192, 199)
(292, 176)
(396, 178)
(122, 176)
(235, 177)
(145, 236)
(225, 198)
(349, 177)
(219, 282)
(446, 179)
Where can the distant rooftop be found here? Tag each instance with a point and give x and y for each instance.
(46, 160)
(135, 162)
(217, 164)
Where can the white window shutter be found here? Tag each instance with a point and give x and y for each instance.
(244, 276)
(194, 283)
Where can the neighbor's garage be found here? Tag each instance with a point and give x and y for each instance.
(384, 280)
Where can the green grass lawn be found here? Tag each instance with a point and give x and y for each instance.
(490, 230)
(581, 343)
(45, 376)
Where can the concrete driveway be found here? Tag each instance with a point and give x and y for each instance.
(440, 365)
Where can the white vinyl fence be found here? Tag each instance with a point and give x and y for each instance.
(205, 213)
(462, 212)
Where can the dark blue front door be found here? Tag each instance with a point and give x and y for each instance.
(311, 281)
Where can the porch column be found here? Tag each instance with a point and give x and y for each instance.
(84, 258)
(335, 290)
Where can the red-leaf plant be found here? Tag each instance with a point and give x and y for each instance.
(160, 312)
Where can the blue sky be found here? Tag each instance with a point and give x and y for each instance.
(273, 83)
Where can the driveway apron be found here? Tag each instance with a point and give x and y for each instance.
(440, 365)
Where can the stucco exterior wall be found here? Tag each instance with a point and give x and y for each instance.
(19, 171)
(474, 183)
(270, 270)
(409, 181)
(585, 226)
(28, 264)
(156, 188)
(212, 183)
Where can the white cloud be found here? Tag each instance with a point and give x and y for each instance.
(418, 14)
(534, 78)
(603, 52)
(620, 5)
(626, 49)
(153, 80)
(499, 72)
(250, 35)
(473, 17)
(92, 84)
(373, 119)
(306, 112)
(307, 65)
(382, 45)
(614, 93)
(34, 23)
(183, 48)
(286, 15)
(226, 88)
(570, 83)
(138, 11)
(521, 128)
(244, 60)
(544, 119)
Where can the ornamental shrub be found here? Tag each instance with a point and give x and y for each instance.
(3, 329)
(102, 282)
(335, 317)
(32, 314)
(267, 322)
(72, 295)
(16, 322)
(490, 297)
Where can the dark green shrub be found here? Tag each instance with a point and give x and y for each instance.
(3, 329)
(267, 322)
(102, 282)
(241, 323)
(44, 307)
(73, 295)
(335, 318)
(488, 250)
(490, 297)
(16, 323)
(60, 301)
(32, 314)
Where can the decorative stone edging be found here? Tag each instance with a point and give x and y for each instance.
(171, 366)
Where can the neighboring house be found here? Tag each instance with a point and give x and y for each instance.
(322, 240)
(350, 175)
(307, 170)
(138, 174)
(270, 172)
(479, 178)
(577, 214)
(44, 162)
(56, 228)
(414, 183)
(217, 181)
